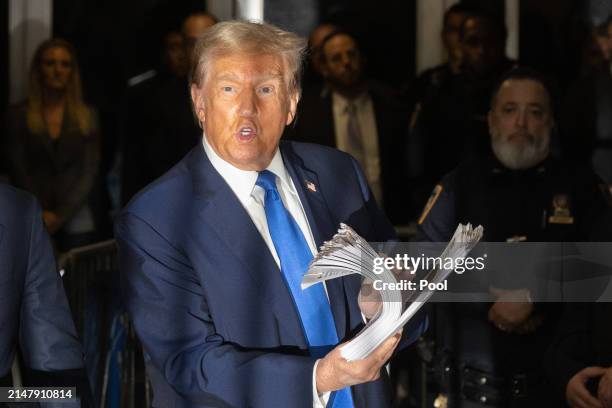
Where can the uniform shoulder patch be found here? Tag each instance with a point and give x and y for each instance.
(430, 202)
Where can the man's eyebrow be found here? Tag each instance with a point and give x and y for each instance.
(536, 105)
(530, 104)
(229, 76)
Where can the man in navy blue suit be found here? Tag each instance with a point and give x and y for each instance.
(33, 306)
(211, 254)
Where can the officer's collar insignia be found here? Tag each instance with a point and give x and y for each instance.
(430, 202)
(561, 210)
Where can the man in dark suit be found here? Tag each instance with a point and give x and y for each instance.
(213, 252)
(33, 307)
(158, 127)
(361, 117)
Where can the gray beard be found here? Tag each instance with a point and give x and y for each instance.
(520, 156)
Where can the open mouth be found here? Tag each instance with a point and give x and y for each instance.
(246, 134)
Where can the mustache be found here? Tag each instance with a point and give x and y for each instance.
(525, 135)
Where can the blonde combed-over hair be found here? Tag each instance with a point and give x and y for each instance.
(231, 37)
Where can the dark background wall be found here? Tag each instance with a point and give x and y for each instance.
(118, 39)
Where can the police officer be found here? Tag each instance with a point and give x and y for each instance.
(490, 354)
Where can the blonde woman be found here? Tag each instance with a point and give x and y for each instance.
(53, 144)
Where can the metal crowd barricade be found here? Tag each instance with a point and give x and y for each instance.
(113, 356)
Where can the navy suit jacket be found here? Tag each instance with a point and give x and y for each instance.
(207, 299)
(33, 306)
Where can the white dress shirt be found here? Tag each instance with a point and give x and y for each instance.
(251, 196)
(366, 118)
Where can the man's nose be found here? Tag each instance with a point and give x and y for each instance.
(248, 103)
(346, 60)
(521, 119)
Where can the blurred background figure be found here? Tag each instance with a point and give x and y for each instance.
(313, 72)
(586, 123)
(431, 80)
(193, 27)
(174, 57)
(158, 123)
(427, 88)
(360, 116)
(449, 124)
(53, 145)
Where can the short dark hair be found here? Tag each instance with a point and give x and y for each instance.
(456, 9)
(496, 24)
(602, 29)
(530, 74)
(333, 34)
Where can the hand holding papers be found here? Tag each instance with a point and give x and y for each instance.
(348, 253)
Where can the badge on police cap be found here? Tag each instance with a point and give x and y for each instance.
(561, 210)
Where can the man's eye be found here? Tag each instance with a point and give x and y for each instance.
(537, 113)
(508, 109)
(265, 90)
(227, 89)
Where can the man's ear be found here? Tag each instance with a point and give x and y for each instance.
(293, 102)
(198, 103)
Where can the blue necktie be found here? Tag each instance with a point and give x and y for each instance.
(312, 304)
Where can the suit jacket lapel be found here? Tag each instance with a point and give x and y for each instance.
(321, 225)
(218, 207)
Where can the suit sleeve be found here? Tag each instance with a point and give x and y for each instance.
(48, 339)
(381, 230)
(167, 304)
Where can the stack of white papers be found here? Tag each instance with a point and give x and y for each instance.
(348, 253)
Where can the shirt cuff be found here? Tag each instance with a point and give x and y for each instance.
(319, 400)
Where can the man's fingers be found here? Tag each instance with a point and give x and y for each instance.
(591, 372)
(385, 350)
(397, 338)
(497, 292)
(586, 399)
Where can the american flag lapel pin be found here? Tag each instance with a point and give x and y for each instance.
(311, 186)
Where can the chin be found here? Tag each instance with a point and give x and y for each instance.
(519, 156)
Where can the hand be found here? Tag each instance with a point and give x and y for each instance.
(576, 392)
(529, 326)
(52, 221)
(334, 372)
(512, 309)
(369, 299)
(604, 392)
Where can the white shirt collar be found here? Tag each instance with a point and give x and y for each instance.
(242, 182)
(341, 103)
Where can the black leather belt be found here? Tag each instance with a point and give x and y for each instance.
(492, 389)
